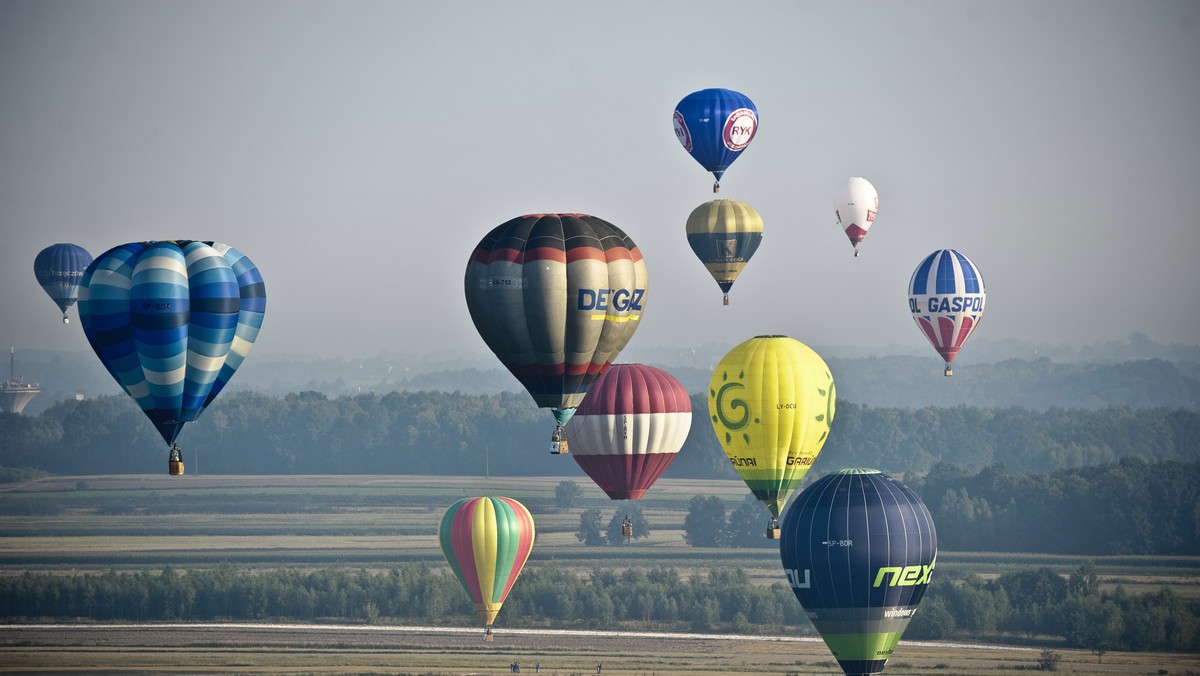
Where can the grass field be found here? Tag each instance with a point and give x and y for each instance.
(100, 523)
(334, 649)
(91, 523)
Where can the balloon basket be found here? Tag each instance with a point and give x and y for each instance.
(949, 371)
(489, 636)
(772, 533)
(726, 300)
(175, 467)
(627, 530)
(558, 443)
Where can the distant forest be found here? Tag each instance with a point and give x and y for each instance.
(1126, 508)
(444, 433)
(915, 382)
(895, 381)
(1034, 603)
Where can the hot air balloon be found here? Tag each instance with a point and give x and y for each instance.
(859, 549)
(724, 234)
(629, 428)
(486, 541)
(771, 401)
(556, 297)
(172, 321)
(715, 126)
(59, 269)
(946, 296)
(855, 208)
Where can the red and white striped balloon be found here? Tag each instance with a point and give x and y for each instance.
(629, 428)
(946, 297)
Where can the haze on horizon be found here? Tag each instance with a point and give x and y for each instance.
(357, 151)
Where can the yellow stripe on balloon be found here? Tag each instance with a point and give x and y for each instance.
(483, 543)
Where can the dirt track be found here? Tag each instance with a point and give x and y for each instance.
(326, 649)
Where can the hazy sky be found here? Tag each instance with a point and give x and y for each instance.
(357, 151)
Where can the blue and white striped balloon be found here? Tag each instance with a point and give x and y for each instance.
(172, 321)
(946, 296)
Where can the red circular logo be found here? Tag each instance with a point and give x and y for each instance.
(739, 128)
(682, 133)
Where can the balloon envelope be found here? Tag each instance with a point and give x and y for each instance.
(724, 234)
(859, 549)
(172, 321)
(946, 296)
(855, 208)
(771, 401)
(59, 269)
(715, 126)
(486, 542)
(556, 297)
(629, 428)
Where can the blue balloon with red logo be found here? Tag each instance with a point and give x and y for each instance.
(715, 126)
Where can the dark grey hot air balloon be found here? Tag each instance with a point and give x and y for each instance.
(859, 549)
(556, 297)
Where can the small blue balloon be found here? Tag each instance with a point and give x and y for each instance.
(59, 269)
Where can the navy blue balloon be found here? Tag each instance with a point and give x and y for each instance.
(859, 549)
(715, 126)
(59, 269)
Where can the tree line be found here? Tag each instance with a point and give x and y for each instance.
(505, 434)
(1143, 375)
(1032, 602)
(1127, 507)
(1041, 602)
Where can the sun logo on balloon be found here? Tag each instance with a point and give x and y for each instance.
(726, 404)
(828, 393)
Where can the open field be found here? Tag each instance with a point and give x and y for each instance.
(134, 522)
(340, 649)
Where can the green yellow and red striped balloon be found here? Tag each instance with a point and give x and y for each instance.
(487, 541)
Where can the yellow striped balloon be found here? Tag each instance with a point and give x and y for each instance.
(724, 234)
(487, 541)
(771, 401)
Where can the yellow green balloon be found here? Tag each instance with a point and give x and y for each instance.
(486, 541)
(771, 401)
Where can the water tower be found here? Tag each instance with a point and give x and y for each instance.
(15, 393)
